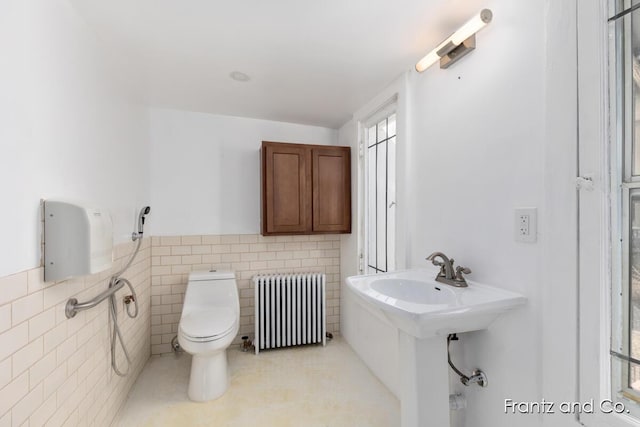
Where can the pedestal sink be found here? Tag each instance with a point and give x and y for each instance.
(425, 312)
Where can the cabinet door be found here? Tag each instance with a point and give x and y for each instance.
(331, 189)
(286, 188)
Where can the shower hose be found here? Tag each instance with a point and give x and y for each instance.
(116, 334)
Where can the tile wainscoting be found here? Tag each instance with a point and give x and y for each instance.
(56, 371)
(173, 257)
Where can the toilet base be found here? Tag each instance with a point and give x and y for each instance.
(209, 377)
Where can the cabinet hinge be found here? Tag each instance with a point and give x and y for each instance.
(361, 263)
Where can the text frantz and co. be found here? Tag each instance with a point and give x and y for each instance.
(606, 406)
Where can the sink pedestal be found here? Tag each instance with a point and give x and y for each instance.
(425, 311)
(424, 381)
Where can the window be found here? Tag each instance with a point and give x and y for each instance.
(379, 151)
(625, 126)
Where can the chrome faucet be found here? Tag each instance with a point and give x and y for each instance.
(446, 274)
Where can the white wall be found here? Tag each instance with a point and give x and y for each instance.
(68, 127)
(494, 132)
(558, 263)
(478, 153)
(205, 169)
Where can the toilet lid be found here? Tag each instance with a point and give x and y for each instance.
(210, 323)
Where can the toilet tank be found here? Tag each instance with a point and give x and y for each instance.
(211, 288)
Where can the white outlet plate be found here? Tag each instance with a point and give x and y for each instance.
(526, 225)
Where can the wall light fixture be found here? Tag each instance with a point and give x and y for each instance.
(458, 44)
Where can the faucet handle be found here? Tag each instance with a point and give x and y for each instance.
(460, 271)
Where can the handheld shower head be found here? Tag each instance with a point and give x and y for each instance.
(143, 213)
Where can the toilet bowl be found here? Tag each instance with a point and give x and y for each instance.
(209, 322)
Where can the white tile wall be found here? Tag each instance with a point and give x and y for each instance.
(173, 257)
(56, 371)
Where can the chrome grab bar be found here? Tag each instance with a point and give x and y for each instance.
(73, 306)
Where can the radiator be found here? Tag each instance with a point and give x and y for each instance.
(289, 310)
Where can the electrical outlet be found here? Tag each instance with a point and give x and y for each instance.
(526, 225)
(523, 228)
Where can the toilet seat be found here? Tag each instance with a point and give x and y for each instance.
(208, 325)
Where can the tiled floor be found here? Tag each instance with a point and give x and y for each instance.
(304, 386)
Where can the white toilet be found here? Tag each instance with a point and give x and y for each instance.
(209, 323)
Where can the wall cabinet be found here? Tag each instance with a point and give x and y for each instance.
(306, 189)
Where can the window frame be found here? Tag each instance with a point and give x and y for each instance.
(388, 109)
(624, 185)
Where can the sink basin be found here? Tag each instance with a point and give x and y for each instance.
(414, 291)
(414, 302)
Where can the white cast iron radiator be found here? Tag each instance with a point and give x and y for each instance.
(289, 310)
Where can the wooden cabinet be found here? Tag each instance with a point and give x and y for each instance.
(306, 189)
(286, 189)
(331, 188)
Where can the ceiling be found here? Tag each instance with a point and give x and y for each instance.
(310, 62)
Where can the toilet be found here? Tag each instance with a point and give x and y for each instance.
(209, 322)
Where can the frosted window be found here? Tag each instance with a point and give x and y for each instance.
(372, 217)
(391, 126)
(371, 136)
(381, 205)
(382, 130)
(380, 196)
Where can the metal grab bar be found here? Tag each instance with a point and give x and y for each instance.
(73, 306)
